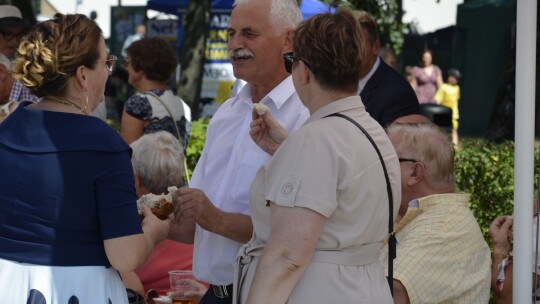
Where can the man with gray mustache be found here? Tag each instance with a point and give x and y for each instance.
(214, 213)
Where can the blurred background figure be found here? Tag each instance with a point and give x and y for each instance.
(502, 267)
(150, 63)
(11, 31)
(140, 33)
(427, 78)
(11, 91)
(448, 95)
(158, 164)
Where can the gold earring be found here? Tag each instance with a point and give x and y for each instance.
(86, 104)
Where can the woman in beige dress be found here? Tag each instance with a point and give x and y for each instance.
(320, 207)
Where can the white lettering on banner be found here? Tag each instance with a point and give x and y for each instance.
(221, 21)
(218, 72)
(163, 28)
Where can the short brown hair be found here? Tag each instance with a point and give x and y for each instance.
(53, 50)
(333, 47)
(155, 57)
(368, 24)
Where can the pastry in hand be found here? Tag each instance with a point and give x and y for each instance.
(260, 108)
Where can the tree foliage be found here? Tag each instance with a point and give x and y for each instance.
(387, 13)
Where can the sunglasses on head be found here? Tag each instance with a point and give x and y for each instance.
(289, 59)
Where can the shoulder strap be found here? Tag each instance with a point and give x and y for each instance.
(186, 170)
(391, 232)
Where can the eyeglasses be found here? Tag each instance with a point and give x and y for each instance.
(289, 59)
(407, 160)
(111, 62)
(8, 36)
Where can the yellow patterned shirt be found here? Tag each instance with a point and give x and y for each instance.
(442, 256)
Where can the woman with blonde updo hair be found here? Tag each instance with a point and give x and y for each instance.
(320, 206)
(68, 215)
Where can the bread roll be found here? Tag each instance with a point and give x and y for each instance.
(161, 205)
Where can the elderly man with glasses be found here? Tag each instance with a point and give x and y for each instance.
(441, 254)
(11, 31)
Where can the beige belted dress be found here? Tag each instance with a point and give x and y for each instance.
(329, 166)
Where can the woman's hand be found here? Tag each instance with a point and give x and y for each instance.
(156, 229)
(266, 132)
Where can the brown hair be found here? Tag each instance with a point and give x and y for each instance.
(333, 47)
(53, 50)
(155, 57)
(368, 24)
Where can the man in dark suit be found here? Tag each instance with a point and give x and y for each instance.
(388, 97)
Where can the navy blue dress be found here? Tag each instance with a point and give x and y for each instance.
(66, 185)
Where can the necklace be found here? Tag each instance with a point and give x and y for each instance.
(67, 103)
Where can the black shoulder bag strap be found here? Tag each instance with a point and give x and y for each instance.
(391, 233)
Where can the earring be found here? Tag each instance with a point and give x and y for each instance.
(86, 104)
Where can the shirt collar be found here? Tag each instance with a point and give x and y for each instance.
(340, 105)
(366, 78)
(278, 95)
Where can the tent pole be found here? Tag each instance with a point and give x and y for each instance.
(524, 150)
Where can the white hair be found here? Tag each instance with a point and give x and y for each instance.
(284, 14)
(158, 160)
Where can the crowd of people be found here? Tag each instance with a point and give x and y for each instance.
(319, 181)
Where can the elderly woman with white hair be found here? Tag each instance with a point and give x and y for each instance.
(158, 164)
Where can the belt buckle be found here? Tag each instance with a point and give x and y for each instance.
(220, 291)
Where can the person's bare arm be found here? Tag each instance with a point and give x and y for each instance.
(293, 237)
(500, 233)
(400, 293)
(193, 204)
(132, 281)
(131, 128)
(126, 253)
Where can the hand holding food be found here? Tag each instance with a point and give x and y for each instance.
(161, 205)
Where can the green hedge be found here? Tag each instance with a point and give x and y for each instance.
(486, 171)
(483, 169)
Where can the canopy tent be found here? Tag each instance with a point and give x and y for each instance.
(178, 7)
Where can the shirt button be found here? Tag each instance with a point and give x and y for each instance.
(287, 188)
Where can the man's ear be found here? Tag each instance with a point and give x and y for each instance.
(417, 174)
(288, 45)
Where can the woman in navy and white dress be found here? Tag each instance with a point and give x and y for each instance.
(68, 214)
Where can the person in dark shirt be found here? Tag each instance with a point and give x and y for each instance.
(385, 93)
(68, 213)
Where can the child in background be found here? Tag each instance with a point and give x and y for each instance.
(448, 95)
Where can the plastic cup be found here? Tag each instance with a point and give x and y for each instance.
(184, 287)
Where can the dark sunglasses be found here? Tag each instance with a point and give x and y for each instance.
(8, 36)
(289, 59)
(407, 160)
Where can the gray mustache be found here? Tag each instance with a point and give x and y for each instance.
(240, 53)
